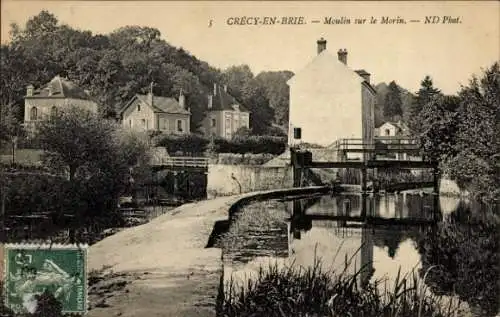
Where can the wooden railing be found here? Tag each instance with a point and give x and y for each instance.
(379, 144)
(184, 161)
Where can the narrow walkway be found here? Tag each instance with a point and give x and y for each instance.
(171, 272)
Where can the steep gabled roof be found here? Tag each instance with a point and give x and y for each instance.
(397, 124)
(60, 87)
(326, 56)
(160, 104)
(224, 101)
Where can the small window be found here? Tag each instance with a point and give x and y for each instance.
(179, 125)
(387, 132)
(34, 114)
(214, 123)
(164, 123)
(130, 123)
(138, 107)
(53, 112)
(143, 121)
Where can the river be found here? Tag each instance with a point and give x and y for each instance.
(456, 242)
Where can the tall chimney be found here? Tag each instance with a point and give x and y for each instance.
(342, 54)
(29, 90)
(182, 100)
(215, 89)
(321, 45)
(210, 97)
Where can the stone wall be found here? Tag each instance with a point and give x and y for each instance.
(234, 179)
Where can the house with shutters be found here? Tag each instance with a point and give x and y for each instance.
(149, 112)
(58, 94)
(330, 101)
(225, 115)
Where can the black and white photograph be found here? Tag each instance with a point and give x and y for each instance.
(249, 158)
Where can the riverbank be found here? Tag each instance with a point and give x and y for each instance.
(163, 266)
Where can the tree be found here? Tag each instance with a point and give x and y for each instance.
(423, 96)
(460, 257)
(277, 92)
(393, 103)
(476, 167)
(96, 155)
(439, 125)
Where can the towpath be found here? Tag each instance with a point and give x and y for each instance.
(163, 265)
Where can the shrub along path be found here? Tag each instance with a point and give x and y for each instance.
(163, 266)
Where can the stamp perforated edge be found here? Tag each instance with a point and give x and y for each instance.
(60, 246)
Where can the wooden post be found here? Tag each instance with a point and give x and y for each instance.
(175, 182)
(2, 209)
(436, 180)
(363, 179)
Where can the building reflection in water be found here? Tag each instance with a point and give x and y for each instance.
(333, 229)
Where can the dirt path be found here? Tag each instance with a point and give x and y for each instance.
(160, 268)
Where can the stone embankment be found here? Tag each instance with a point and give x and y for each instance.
(164, 265)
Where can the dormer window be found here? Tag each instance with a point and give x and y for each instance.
(139, 107)
(387, 132)
(236, 107)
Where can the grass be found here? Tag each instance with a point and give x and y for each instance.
(261, 217)
(313, 292)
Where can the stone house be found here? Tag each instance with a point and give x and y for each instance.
(225, 115)
(149, 112)
(392, 129)
(330, 101)
(56, 95)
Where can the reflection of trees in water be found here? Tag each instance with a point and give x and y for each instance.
(465, 252)
(389, 238)
(392, 236)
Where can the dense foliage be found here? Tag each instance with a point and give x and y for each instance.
(116, 66)
(462, 132)
(407, 99)
(393, 103)
(464, 253)
(424, 95)
(88, 160)
(196, 144)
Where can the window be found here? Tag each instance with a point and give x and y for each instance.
(164, 124)
(387, 132)
(53, 112)
(130, 123)
(34, 114)
(143, 121)
(179, 126)
(214, 123)
(138, 107)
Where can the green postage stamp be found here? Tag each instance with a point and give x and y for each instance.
(32, 269)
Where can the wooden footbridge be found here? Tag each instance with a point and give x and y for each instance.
(370, 155)
(181, 163)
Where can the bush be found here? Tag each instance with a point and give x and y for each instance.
(193, 144)
(189, 144)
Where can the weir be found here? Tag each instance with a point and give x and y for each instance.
(383, 153)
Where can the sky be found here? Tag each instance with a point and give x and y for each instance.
(449, 53)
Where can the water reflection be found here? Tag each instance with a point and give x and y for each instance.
(381, 235)
(347, 234)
